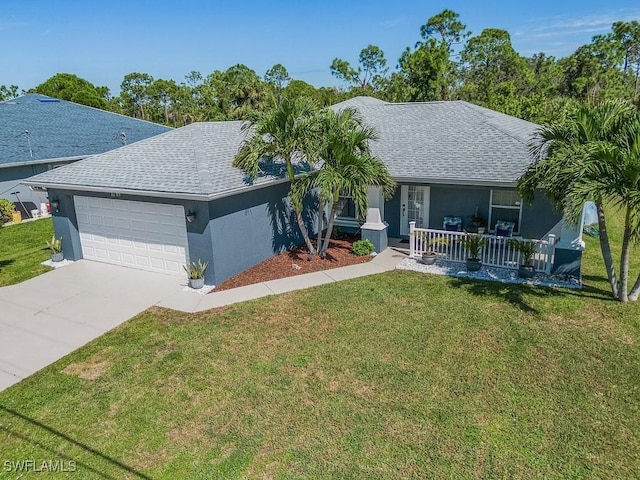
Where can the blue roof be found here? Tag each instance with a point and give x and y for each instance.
(36, 128)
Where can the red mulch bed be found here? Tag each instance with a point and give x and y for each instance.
(282, 265)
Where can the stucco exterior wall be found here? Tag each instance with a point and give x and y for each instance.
(462, 201)
(231, 233)
(248, 228)
(11, 181)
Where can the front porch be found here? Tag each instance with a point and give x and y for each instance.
(497, 252)
(500, 260)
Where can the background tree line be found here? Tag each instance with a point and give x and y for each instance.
(448, 62)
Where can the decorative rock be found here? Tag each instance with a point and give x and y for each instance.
(504, 275)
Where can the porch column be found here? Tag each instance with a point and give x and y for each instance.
(375, 228)
(376, 199)
(568, 251)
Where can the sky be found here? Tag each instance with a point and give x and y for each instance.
(103, 41)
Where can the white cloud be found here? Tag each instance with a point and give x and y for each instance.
(585, 24)
(560, 35)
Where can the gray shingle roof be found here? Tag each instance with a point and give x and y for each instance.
(193, 160)
(441, 142)
(60, 129)
(447, 141)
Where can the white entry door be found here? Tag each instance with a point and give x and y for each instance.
(414, 207)
(147, 236)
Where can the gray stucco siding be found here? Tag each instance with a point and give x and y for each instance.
(65, 224)
(457, 201)
(231, 233)
(462, 201)
(11, 181)
(251, 227)
(539, 218)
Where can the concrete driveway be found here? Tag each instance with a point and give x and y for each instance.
(49, 316)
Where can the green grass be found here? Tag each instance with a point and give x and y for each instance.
(22, 250)
(399, 375)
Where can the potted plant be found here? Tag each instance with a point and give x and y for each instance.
(55, 246)
(473, 243)
(195, 272)
(478, 222)
(429, 255)
(527, 250)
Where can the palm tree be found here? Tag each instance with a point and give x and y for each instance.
(593, 155)
(288, 133)
(348, 169)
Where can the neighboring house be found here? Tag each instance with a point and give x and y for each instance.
(39, 133)
(176, 198)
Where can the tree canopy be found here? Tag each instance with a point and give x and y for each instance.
(67, 86)
(447, 62)
(593, 155)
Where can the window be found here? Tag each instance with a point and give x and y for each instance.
(505, 206)
(349, 211)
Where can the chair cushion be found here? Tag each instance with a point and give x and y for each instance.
(452, 224)
(504, 229)
(452, 227)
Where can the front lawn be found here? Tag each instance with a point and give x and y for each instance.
(23, 249)
(399, 375)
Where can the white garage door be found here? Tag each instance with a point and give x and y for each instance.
(148, 236)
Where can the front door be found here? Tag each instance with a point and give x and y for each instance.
(414, 207)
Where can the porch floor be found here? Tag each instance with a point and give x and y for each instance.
(399, 244)
(494, 274)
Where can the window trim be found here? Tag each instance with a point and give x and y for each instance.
(349, 222)
(506, 207)
(346, 218)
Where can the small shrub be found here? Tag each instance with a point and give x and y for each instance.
(195, 270)
(526, 248)
(6, 211)
(473, 243)
(55, 245)
(362, 247)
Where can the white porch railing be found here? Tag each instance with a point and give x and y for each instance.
(497, 252)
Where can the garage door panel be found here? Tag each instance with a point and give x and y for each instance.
(175, 267)
(148, 236)
(91, 202)
(101, 254)
(128, 259)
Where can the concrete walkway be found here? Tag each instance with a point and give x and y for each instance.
(191, 302)
(50, 316)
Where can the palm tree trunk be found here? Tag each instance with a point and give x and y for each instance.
(301, 224)
(332, 217)
(635, 291)
(606, 249)
(624, 259)
(305, 234)
(320, 226)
